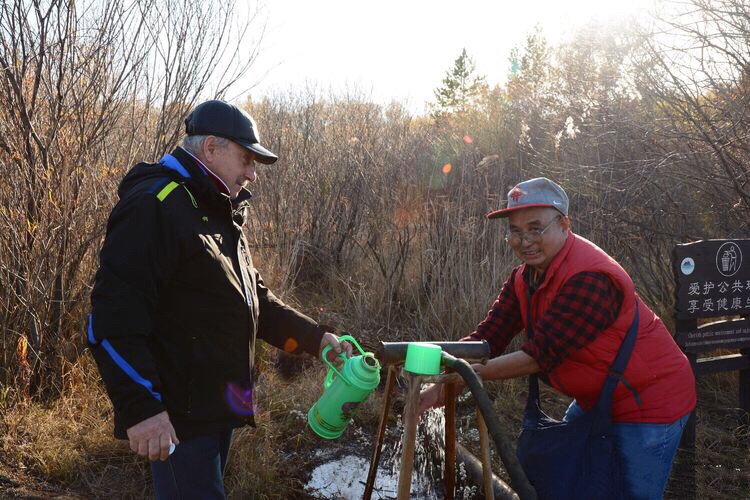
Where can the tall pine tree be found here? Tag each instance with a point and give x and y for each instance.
(461, 87)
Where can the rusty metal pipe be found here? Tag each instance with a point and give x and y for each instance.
(395, 352)
(473, 467)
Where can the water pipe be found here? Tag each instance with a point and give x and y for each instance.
(505, 449)
(395, 352)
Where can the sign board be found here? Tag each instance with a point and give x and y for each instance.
(721, 334)
(712, 278)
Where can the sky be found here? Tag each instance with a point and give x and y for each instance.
(401, 49)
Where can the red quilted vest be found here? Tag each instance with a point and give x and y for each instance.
(657, 370)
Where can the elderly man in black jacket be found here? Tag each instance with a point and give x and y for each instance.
(177, 304)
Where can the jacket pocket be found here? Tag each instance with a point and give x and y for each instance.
(211, 379)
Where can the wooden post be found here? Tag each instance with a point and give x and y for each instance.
(378, 445)
(410, 435)
(484, 441)
(685, 467)
(450, 440)
(688, 435)
(745, 385)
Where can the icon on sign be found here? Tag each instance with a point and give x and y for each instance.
(688, 266)
(729, 259)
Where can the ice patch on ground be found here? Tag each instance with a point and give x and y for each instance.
(346, 476)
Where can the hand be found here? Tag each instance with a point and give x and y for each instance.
(432, 397)
(337, 347)
(482, 370)
(152, 437)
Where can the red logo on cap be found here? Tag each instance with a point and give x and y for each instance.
(516, 193)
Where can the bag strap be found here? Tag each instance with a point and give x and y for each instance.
(618, 366)
(626, 349)
(616, 369)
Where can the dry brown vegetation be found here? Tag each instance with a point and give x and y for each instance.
(360, 219)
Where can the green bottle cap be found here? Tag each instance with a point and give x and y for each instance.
(423, 358)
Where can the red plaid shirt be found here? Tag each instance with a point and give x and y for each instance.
(584, 307)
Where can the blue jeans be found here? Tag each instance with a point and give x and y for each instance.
(645, 453)
(194, 470)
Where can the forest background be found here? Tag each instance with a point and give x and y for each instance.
(372, 218)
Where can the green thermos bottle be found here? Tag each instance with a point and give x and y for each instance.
(344, 390)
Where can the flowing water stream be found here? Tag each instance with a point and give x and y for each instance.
(343, 476)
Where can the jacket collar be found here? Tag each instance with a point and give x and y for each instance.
(197, 177)
(184, 164)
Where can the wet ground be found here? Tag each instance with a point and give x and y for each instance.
(343, 468)
(342, 465)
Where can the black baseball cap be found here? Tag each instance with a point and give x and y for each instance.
(226, 120)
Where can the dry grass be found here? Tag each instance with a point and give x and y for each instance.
(358, 218)
(69, 441)
(68, 445)
(256, 467)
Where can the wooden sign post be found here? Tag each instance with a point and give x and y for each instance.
(713, 281)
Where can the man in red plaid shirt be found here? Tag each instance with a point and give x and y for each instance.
(579, 303)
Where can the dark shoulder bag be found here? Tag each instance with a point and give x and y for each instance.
(574, 460)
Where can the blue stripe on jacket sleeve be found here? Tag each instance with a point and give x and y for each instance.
(120, 361)
(90, 330)
(129, 370)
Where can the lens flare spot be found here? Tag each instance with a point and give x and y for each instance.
(290, 345)
(240, 399)
(447, 168)
(468, 139)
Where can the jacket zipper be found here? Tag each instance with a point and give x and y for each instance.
(189, 409)
(251, 319)
(248, 307)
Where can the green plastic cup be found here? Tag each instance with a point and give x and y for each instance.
(423, 358)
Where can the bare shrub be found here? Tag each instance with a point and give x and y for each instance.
(88, 88)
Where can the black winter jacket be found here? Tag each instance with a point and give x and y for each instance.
(177, 304)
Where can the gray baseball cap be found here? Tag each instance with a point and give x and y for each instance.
(538, 192)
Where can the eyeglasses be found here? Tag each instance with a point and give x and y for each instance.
(532, 235)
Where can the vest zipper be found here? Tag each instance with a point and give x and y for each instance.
(529, 328)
